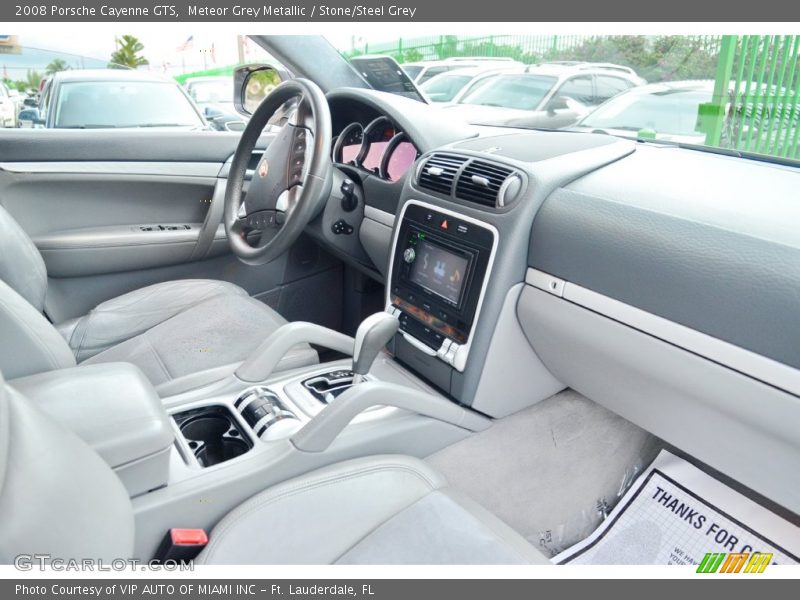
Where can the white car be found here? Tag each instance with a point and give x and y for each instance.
(450, 86)
(669, 111)
(422, 71)
(8, 108)
(549, 95)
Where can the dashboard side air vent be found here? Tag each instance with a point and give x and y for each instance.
(439, 171)
(488, 184)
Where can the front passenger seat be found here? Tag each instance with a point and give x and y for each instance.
(169, 330)
(377, 510)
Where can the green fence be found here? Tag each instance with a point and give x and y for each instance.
(525, 48)
(756, 102)
(214, 72)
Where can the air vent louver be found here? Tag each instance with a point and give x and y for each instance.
(439, 172)
(480, 182)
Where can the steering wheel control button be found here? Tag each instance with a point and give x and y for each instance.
(409, 255)
(262, 219)
(342, 227)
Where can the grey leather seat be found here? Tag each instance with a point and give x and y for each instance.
(379, 510)
(169, 330)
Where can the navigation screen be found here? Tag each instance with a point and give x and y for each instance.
(439, 271)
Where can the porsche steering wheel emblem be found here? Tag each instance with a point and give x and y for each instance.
(263, 169)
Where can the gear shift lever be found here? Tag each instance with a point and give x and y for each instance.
(372, 335)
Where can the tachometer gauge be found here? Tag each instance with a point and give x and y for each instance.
(398, 157)
(348, 145)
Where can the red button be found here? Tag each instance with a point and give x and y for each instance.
(444, 224)
(188, 537)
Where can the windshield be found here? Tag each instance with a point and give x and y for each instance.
(585, 80)
(109, 104)
(521, 92)
(671, 112)
(444, 87)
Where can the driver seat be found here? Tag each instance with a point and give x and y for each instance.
(172, 331)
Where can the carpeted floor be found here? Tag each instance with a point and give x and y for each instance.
(548, 470)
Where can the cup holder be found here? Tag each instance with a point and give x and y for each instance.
(213, 434)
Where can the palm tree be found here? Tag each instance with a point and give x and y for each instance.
(32, 80)
(55, 66)
(126, 56)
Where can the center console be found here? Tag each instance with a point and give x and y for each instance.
(440, 266)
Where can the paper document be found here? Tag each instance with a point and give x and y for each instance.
(675, 514)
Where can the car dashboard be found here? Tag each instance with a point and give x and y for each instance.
(552, 259)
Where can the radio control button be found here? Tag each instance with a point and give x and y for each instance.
(409, 255)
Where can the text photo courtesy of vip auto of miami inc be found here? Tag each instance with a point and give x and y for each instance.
(320, 300)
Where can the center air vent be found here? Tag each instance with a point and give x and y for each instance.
(482, 182)
(439, 172)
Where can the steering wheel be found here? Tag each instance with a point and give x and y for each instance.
(292, 181)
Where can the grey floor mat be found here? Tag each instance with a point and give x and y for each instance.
(545, 469)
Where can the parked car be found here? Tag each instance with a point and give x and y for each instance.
(422, 71)
(550, 95)
(670, 111)
(663, 111)
(111, 99)
(8, 107)
(214, 96)
(447, 87)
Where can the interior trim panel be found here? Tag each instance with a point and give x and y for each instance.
(185, 169)
(748, 363)
(722, 258)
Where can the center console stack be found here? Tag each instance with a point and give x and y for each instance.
(440, 266)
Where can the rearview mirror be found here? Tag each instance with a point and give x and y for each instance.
(252, 83)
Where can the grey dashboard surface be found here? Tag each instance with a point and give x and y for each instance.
(710, 242)
(533, 146)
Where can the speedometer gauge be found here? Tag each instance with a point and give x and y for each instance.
(377, 136)
(348, 144)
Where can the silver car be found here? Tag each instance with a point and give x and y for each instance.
(551, 95)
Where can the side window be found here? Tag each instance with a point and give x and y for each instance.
(608, 86)
(578, 88)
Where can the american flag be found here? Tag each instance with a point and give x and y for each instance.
(187, 44)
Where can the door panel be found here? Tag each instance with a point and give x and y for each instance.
(106, 225)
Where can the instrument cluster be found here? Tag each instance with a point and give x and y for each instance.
(379, 148)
